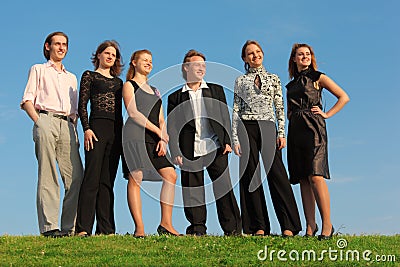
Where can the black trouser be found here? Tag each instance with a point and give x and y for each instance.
(96, 197)
(194, 194)
(253, 204)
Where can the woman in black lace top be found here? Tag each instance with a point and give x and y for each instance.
(102, 139)
(307, 136)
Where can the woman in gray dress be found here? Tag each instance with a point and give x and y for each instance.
(145, 143)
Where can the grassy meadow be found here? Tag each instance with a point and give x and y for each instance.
(125, 250)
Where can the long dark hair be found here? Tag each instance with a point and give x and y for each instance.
(293, 66)
(116, 69)
(247, 43)
(131, 71)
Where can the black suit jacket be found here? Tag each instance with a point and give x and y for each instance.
(180, 121)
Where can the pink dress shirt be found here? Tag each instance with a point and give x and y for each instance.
(52, 90)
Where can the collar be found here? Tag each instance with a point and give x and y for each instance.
(258, 70)
(50, 63)
(303, 72)
(187, 88)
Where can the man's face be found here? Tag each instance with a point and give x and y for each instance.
(58, 48)
(195, 69)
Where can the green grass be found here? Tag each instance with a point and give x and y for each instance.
(124, 250)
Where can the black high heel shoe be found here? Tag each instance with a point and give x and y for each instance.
(314, 232)
(326, 237)
(163, 231)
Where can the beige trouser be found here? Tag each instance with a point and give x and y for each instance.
(56, 140)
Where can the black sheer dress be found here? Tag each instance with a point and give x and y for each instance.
(307, 135)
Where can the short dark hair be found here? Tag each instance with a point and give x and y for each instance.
(188, 55)
(48, 40)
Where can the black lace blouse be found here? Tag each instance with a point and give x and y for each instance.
(105, 96)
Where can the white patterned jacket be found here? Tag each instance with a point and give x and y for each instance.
(252, 103)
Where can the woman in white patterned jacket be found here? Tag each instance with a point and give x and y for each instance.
(258, 105)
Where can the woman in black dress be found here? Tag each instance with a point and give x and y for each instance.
(102, 139)
(307, 137)
(145, 142)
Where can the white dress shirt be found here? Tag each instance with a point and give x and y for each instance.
(205, 140)
(52, 90)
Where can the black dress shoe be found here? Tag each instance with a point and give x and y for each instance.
(194, 233)
(163, 231)
(233, 233)
(326, 237)
(314, 232)
(199, 234)
(54, 234)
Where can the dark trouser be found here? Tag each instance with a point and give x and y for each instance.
(253, 204)
(96, 197)
(194, 195)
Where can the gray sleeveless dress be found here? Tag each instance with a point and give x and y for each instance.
(140, 144)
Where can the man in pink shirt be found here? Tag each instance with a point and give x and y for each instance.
(50, 100)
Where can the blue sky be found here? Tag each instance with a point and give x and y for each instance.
(356, 44)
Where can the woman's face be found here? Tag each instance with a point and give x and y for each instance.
(254, 56)
(144, 63)
(107, 57)
(302, 58)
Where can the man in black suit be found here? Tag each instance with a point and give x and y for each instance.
(199, 127)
